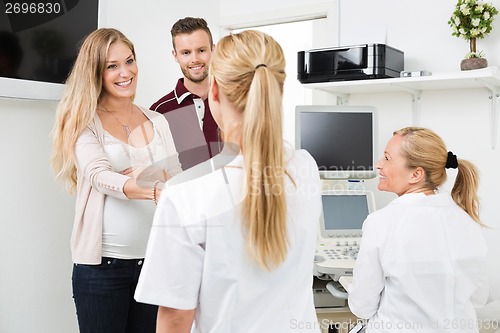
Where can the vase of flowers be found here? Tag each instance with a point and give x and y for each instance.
(471, 20)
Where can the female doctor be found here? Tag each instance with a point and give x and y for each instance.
(421, 264)
(233, 250)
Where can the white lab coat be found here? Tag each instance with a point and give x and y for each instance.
(196, 256)
(420, 268)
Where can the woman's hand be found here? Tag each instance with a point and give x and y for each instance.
(147, 174)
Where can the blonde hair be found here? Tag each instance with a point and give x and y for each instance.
(422, 147)
(78, 104)
(249, 68)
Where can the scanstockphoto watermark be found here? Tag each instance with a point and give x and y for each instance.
(263, 180)
(452, 325)
(464, 324)
(288, 188)
(324, 324)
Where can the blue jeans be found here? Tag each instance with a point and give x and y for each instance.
(104, 298)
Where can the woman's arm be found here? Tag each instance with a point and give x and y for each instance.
(94, 165)
(134, 191)
(368, 277)
(174, 321)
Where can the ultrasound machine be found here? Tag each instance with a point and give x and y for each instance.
(344, 212)
(343, 141)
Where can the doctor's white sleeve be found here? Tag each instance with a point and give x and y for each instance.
(368, 282)
(171, 275)
(480, 296)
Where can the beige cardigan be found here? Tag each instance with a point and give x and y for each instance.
(96, 179)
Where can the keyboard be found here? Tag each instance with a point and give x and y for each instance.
(336, 256)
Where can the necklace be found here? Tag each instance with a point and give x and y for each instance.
(126, 128)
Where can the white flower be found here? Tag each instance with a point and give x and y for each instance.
(464, 9)
(472, 19)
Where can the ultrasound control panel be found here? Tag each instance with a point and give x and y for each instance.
(340, 231)
(335, 257)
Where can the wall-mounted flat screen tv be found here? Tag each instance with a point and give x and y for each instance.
(39, 41)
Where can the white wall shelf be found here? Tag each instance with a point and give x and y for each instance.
(488, 78)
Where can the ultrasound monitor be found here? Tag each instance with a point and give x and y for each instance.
(342, 139)
(344, 212)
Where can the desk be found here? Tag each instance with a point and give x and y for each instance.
(340, 319)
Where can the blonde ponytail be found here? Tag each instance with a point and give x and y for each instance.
(424, 148)
(250, 70)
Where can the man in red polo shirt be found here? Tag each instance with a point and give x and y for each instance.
(195, 132)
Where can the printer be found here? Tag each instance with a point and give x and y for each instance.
(359, 62)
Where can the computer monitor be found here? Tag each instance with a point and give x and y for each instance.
(342, 139)
(344, 212)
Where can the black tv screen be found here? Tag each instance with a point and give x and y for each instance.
(39, 40)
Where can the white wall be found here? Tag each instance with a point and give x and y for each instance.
(229, 8)
(419, 28)
(35, 225)
(36, 216)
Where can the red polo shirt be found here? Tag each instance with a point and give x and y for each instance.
(187, 114)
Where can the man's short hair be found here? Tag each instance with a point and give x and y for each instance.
(189, 25)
